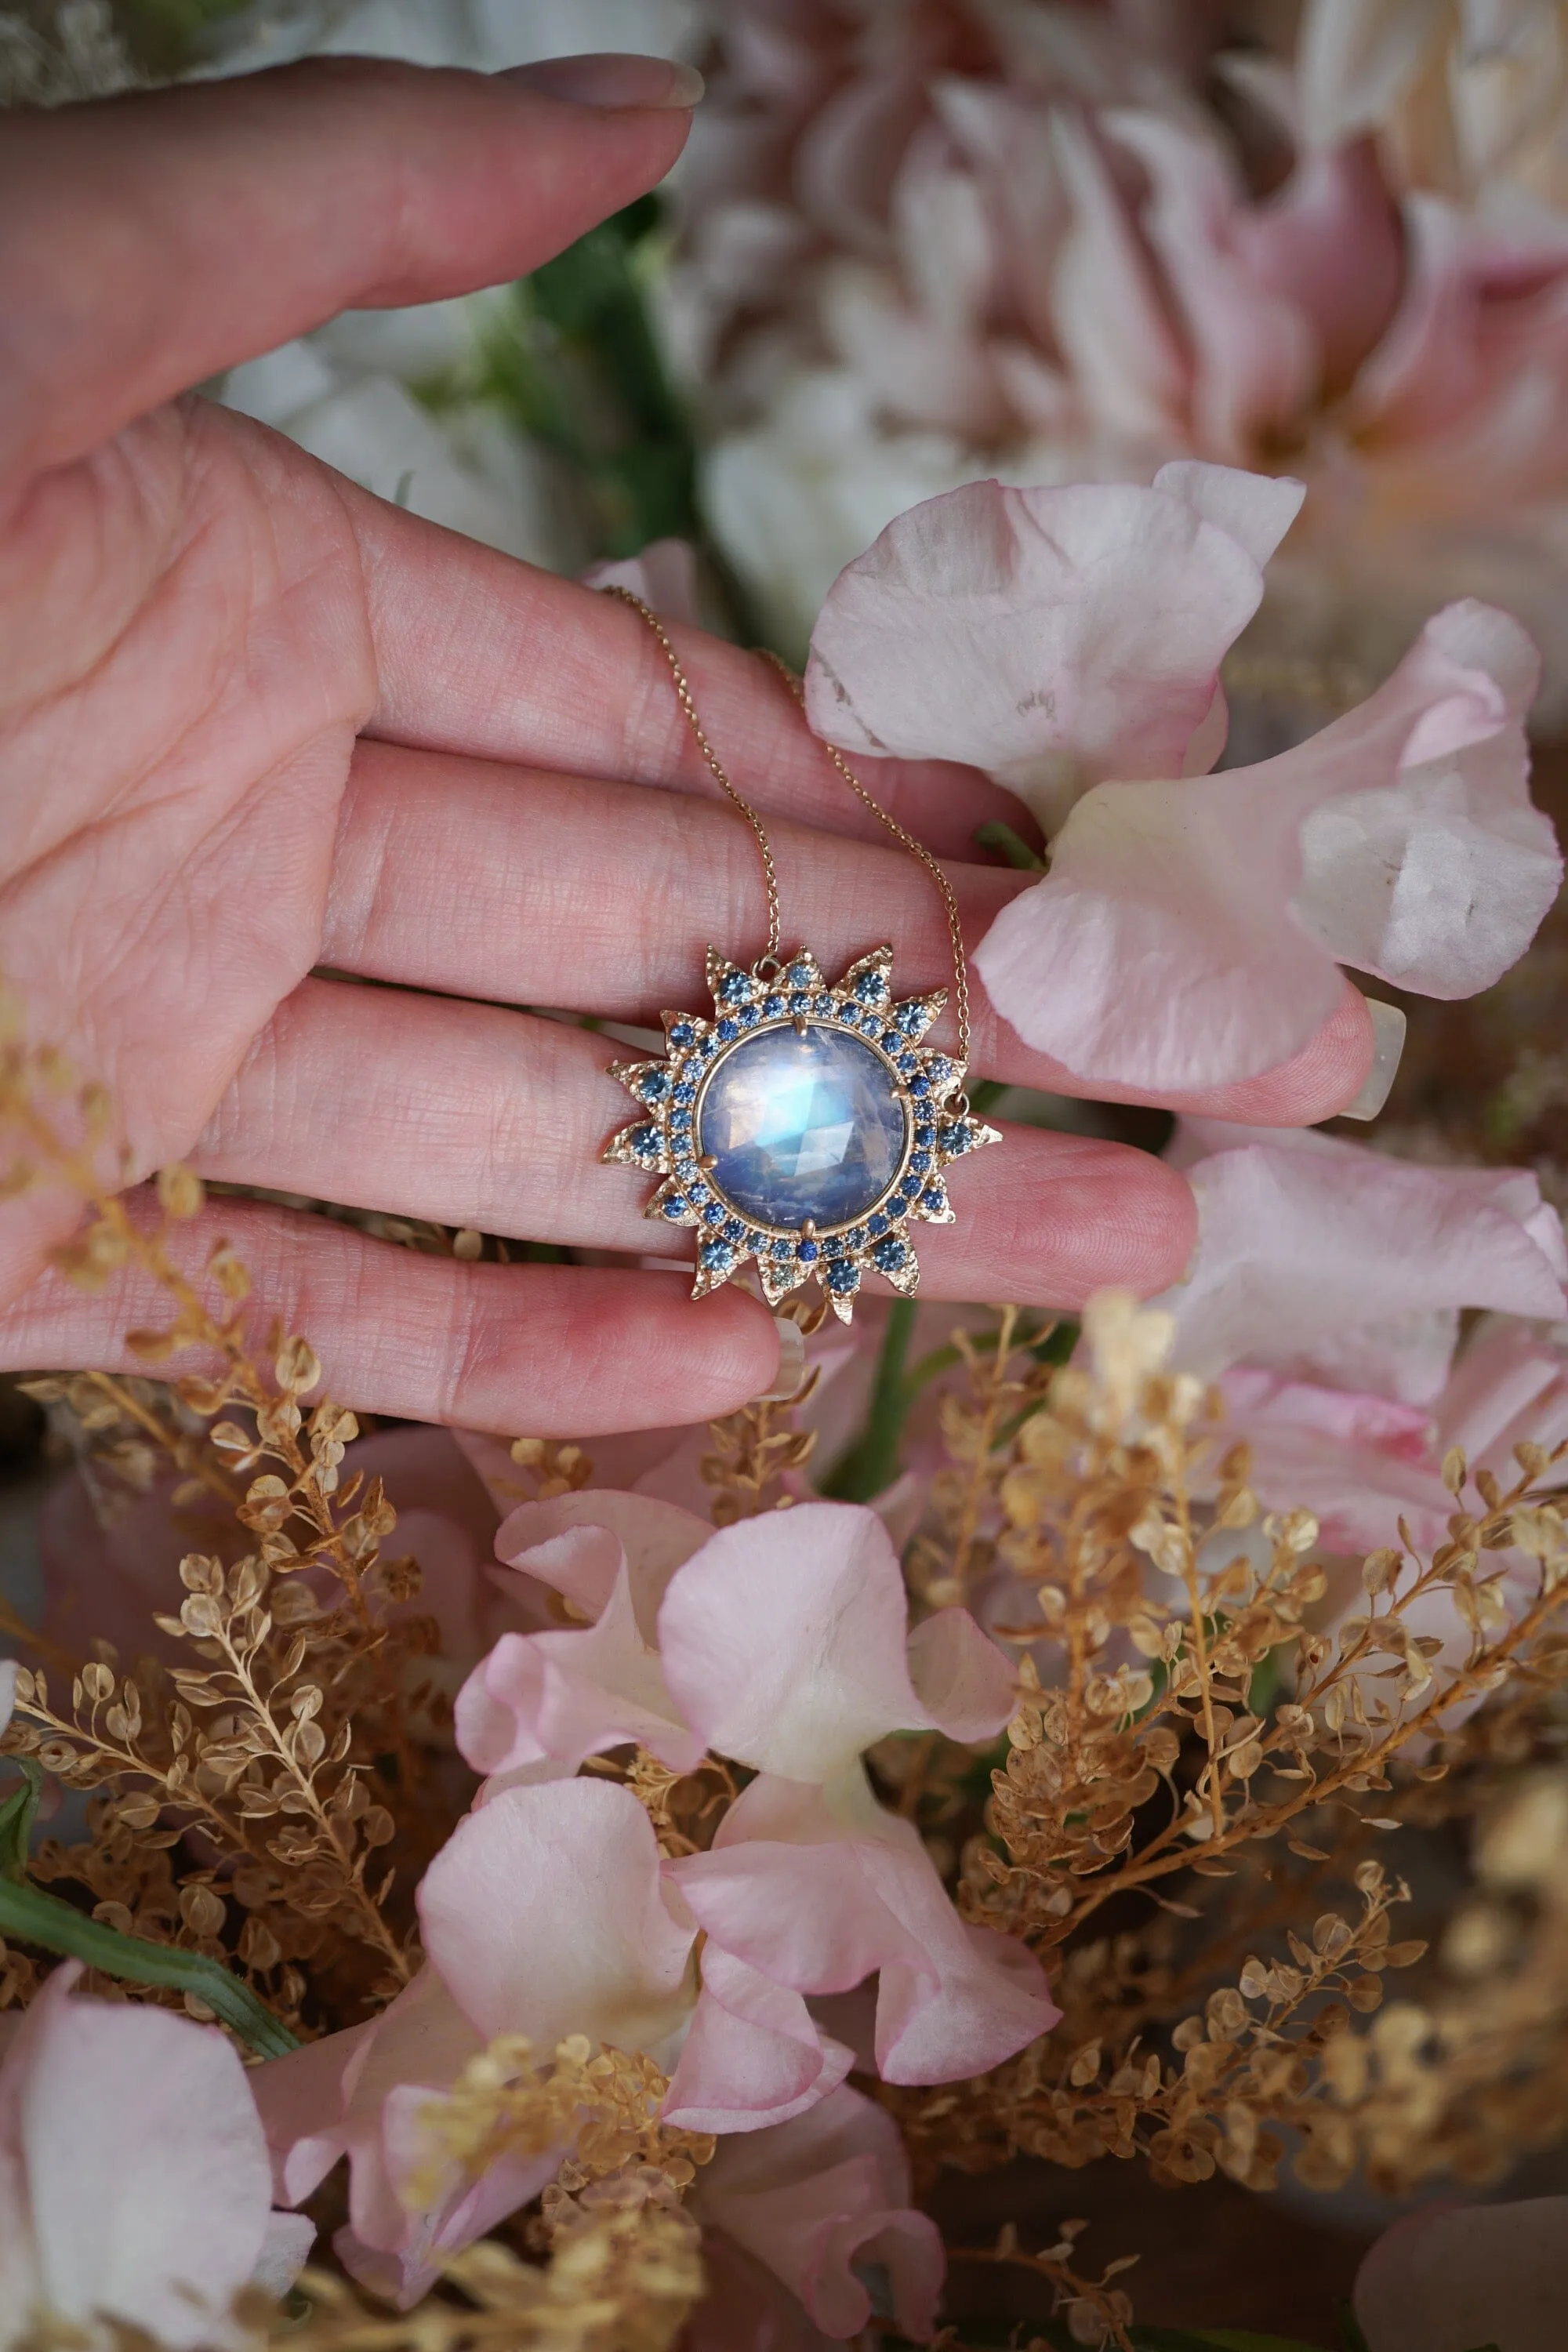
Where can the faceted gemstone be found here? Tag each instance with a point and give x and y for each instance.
(802, 1127)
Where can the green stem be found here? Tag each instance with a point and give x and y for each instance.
(872, 1464)
(1012, 847)
(37, 1917)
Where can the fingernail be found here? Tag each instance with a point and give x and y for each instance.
(614, 81)
(1388, 1027)
(791, 1364)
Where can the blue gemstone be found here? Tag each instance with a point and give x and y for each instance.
(774, 1006)
(727, 1029)
(800, 1005)
(734, 1230)
(836, 1244)
(699, 1193)
(800, 975)
(935, 1198)
(808, 1253)
(683, 1033)
(925, 1133)
(908, 1064)
(654, 1086)
(857, 1239)
(802, 1126)
(910, 1019)
(889, 1255)
(878, 1224)
(684, 1091)
(906, 1198)
(675, 1208)
(717, 1256)
(783, 1249)
(749, 1016)
(919, 1087)
(687, 1171)
(734, 989)
(843, 1279)
(644, 1142)
(713, 1215)
(920, 1162)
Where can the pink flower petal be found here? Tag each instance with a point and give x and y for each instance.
(577, 1543)
(820, 2199)
(1188, 933)
(785, 1644)
(1051, 636)
(1106, 314)
(565, 1695)
(138, 2163)
(754, 2055)
(544, 1915)
(1467, 2275)
(1327, 1261)
(664, 575)
(819, 1897)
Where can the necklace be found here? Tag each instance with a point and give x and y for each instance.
(806, 1125)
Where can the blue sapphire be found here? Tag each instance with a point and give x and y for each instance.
(894, 1040)
(925, 1133)
(749, 1016)
(654, 1086)
(684, 1092)
(858, 1238)
(934, 1199)
(906, 1197)
(687, 1171)
(909, 1064)
(919, 1087)
(870, 988)
(713, 1215)
(683, 1033)
(717, 1256)
(955, 1138)
(800, 1005)
(911, 1019)
(877, 1224)
(700, 1194)
(735, 988)
(801, 1125)
(920, 1162)
(781, 1248)
(889, 1255)
(727, 1029)
(836, 1244)
(844, 1279)
(734, 1230)
(774, 1006)
(675, 1208)
(644, 1142)
(800, 975)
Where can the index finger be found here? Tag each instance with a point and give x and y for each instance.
(153, 239)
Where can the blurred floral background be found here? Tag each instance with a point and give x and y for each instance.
(913, 245)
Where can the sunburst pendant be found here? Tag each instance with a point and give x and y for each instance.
(804, 1125)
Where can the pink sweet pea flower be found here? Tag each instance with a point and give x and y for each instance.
(546, 1914)
(133, 2174)
(1326, 1261)
(1461, 2275)
(1188, 934)
(810, 2207)
(783, 1645)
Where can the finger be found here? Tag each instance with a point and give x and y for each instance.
(479, 654)
(545, 1351)
(472, 1115)
(601, 899)
(156, 238)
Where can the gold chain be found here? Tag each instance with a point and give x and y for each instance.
(905, 839)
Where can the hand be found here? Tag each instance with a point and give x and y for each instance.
(255, 722)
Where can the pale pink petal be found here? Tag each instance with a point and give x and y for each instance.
(1358, 1462)
(1188, 934)
(820, 2199)
(1353, 59)
(576, 1544)
(1257, 360)
(1331, 242)
(563, 1695)
(920, 370)
(1509, 1388)
(964, 1682)
(1105, 313)
(146, 2163)
(544, 1915)
(819, 1897)
(664, 575)
(785, 1644)
(1051, 636)
(1448, 2278)
(754, 2055)
(285, 2250)
(8, 1690)
(1327, 1261)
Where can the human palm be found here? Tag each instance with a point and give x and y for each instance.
(263, 738)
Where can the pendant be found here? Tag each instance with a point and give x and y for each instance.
(804, 1125)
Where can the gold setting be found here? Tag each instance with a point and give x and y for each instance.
(939, 1127)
